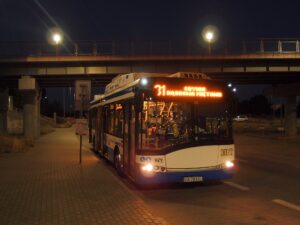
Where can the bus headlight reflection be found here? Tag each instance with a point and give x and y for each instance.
(148, 167)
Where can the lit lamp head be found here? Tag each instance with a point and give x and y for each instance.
(209, 36)
(57, 38)
(210, 33)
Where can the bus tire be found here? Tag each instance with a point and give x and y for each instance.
(118, 162)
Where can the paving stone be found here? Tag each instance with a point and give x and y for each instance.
(48, 186)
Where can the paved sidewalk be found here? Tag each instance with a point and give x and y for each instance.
(48, 186)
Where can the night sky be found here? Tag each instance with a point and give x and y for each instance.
(29, 20)
(164, 19)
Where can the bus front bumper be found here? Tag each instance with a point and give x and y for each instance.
(182, 177)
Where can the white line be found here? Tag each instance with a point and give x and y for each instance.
(287, 204)
(238, 186)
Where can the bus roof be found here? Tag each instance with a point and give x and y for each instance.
(123, 81)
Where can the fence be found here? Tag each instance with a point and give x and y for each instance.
(148, 48)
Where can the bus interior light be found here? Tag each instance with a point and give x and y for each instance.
(229, 164)
(148, 167)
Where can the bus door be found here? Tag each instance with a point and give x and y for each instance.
(100, 129)
(129, 139)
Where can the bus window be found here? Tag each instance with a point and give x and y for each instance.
(163, 123)
(111, 118)
(119, 121)
(167, 123)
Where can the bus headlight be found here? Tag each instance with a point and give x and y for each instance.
(144, 81)
(229, 164)
(148, 167)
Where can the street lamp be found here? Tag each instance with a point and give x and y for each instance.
(55, 37)
(57, 40)
(210, 35)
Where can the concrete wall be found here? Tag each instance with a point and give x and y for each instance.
(15, 122)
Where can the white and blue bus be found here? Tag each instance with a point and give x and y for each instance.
(160, 128)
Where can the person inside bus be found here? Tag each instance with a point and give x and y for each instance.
(201, 125)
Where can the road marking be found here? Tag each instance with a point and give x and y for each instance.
(287, 204)
(238, 186)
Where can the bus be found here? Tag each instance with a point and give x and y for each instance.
(165, 128)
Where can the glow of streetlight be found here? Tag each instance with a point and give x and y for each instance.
(210, 33)
(57, 38)
(209, 36)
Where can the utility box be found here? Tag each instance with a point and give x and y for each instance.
(27, 83)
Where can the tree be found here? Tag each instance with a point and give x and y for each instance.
(260, 105)
(257, 105)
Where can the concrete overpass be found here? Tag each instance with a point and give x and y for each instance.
(267, 68)
(259, 67)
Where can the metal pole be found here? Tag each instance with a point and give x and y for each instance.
(76, 49)
(95, 48)
(209, 48)
(56, 50)
(80, 152)
(281, 112)
(244, 47)
(64, 101)
(262, 47)
(279, 46)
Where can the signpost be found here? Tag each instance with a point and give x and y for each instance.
(82, 97)
(81, 129)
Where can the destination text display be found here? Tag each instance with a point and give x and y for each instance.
(162, 90)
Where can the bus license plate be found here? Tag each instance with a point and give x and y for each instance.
(192, 179)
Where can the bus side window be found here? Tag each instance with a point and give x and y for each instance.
(111, 118)
(119, 121)
(104, 116)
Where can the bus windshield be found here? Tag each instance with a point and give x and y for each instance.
(167, 124)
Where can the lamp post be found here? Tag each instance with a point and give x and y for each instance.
(210, 35)
(57, 39)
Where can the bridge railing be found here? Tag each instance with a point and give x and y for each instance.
(148, 48)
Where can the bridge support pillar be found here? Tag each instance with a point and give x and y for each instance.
(31, 107)
(290, 115)
(3, 110)
(289, 92)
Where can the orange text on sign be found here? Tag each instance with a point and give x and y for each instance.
(187, 91)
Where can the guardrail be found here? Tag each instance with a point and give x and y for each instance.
(174, 47)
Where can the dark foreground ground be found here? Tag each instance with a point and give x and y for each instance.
(47, 186)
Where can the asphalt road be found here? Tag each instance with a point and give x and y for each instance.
(264, 191)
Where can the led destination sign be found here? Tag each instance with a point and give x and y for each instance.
(187, 91)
